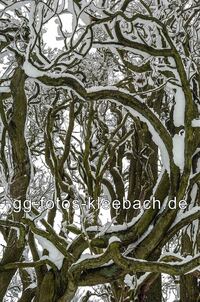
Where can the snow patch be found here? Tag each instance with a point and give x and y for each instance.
(129, 281)
(4, 89)
(179, 108)
(178, 150)
(196, 123)
(31, 71)
(114, 239)
(55, 255)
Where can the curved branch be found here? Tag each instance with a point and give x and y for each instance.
(138, 108)
(135, 265)
(20, 265)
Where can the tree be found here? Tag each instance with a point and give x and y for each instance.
(99, 149)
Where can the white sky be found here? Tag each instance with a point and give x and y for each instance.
(52, 31)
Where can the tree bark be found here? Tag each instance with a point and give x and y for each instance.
(21, 174)
(189, 289)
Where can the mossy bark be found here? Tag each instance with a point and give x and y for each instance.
(21, 174)
(189, 289)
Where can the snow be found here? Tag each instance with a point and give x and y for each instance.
(196, 123)
(32, 285)
(142, 279)
(179, 108)
(32, 71)
(129, 281)
(2, 38)
(178, 150)
(112, 88)
(114, 239)
(115, 228)
(4, 89)
(110, 262)
(54, 254)
(179, 102)
(86, 256)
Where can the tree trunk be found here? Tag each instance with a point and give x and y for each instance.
(189, 290)
(21, 174)
(155, 292)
